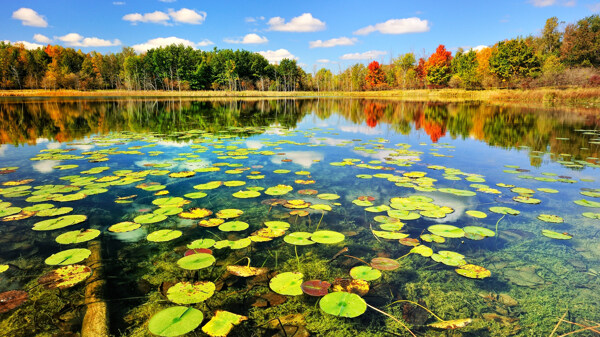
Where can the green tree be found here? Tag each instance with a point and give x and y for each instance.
(581, 42)
(465, 65)
(514, 59)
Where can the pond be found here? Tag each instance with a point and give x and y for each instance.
(297, 217)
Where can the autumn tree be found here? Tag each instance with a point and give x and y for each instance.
(375, 77)
(438, 67)
(581, 42)
(464, 65)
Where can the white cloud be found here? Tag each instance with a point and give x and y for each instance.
(253, 20)
(275, 56)
(303, 158)
(340, 41)
(154, 17)
(41, 38)
(543, 3)
(186, 15)
(183, 15)
(167, 41)
(396, 26)
(118, 3)
(29, 17)
(167, 1)
(45, 166)
(27, 45)
(368, 55)
(76, 40)
(595, 8)
(249, 39)
(323, 61)
(479, 48)
(303, 23)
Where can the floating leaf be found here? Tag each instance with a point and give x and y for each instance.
(222, 323)
(587, 203)
(383, 263)
(447, 231)
(279, 190)
(504, 210)
(591, 215)
(60, 222)
(327, 237)
(12, 299)
(476, 214)
(528, 200)
(77, 236)
(358, 287)
(196, 261)
(432, 238)
(189, 293)
(556, 235)
(390, 235)
(366, 273)
(422, 250)
(449, 258)
(201, 243)
(343, 304)
(123, 227)
(196, 213)
(234, 226)
(229, 213)
(321, 207)
(175, 321)
(65, 277)
(163, 235)
(479, 231)
(70, 256)
(195, 195)
(473, 271)
(328, 196)
(316, 287)
(246, 194)
(3, 268)
(149, 218)
(287, 283)
(235, 244)
(550, 218)
(299, 239)
(54, 211)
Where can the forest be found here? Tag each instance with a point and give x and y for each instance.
(562, 55)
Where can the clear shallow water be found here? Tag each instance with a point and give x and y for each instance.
(452, 154)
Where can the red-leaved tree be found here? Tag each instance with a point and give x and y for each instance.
(375, 78)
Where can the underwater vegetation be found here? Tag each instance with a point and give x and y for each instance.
(305, 228)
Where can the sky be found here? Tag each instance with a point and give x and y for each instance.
(325, 33)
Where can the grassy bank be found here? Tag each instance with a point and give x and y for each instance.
(587, 96)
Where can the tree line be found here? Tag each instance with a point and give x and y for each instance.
(568, 56)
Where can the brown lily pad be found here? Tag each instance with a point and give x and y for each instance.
(316, 287)
(246, 271)
(12, 299)
(383, 263)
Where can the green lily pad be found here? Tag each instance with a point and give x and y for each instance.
(279, 190)
(38, 207)
(229, 213)
(328, 196)
(65, 277)
(77, 236)
(69, 256)
(591, 215)
(504, 210)
(163, 235)
(547, 190)
(377, 209)
(390, 235)
(123, 227)
(299, 239)
(169, 210)
(447, 231)
(280, 225)
(246, 194)
(3, 268)
(556, 235)
(432, 238)
(479, 231)
(196, 261)
(449, 258)
(327, 237)
(60, 222)
(422, 250)
(175, 321)
(343, 304)
(476, 214)
(10, 211)
(550, 218)
(287, 283)
(365, 273)
(149, 218)
(527, 200)
(233, 226)
(587, 203)
(195, 195)
(201, 243)
(54, 211)
(189, 293)
(168, 201)
(473, 271)
(222, 323)
(233, 244)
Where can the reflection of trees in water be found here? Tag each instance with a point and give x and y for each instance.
(24, 121)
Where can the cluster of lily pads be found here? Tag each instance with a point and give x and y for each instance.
(394, 219)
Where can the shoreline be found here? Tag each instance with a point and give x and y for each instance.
(569, 96)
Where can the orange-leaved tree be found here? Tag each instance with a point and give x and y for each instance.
(438, 67)
(376, 77)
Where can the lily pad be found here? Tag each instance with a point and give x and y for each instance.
(556, 235)
(591, 215)
(246, 271)
(289, 283)
(479, 231)
(195, 213)
(504, 210)
(587, 203)
(65, 277)
(77, 236)
(196, 261)
(149, 218)
(476, 214)
(189, 293)
(550, 218)
(449, 258)
(384, 263)
(316, 287)
(343, 304)
(123, 227)
(328, 196)
(54, 211)
(60, 222)
(66, 257)
(175, 321)
(422, 250)
(473, 271)
(229, 213)
(299, 239)
(201, 243)
(246, 194)
(365, 273)
(234, 226)
(447, 231)
(222, 323)
(163, 235)
(327, 237)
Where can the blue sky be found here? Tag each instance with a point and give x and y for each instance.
(316, 33)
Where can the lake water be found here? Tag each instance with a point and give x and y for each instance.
(484, 214)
